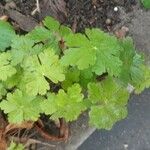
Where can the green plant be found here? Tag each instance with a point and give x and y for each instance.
(146, 3)
(54, 71)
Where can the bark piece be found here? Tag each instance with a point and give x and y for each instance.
(26, 23)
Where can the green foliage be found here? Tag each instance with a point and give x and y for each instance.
(110, 100)
(72, 75)
(85, 52)
(21, 107)
(107, 48)
(37, 67)
(40, 34)
(2, 90)
(145, 81)
(6, 69)
(68, 105)
(22, 47)
(133, 70)
(90, 72)
(80, 53)
(146, 3)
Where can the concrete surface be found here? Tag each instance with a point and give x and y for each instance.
(139, 29)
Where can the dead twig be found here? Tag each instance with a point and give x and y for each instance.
(28, 141)
(74, 26)
(37, 9)
(25, 125)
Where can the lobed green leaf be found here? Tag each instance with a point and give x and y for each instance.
(20, 107)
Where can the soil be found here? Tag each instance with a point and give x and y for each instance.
(96, 13)
(78, 14)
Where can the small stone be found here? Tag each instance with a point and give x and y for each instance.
(108, 21)
(125, 29)
(94, 7)
(126, 146)
(116, 9)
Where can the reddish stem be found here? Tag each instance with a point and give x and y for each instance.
(64, 132)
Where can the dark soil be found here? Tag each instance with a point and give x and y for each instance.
(96, 13)
(78, 14)
(25, 6)
(49, 126)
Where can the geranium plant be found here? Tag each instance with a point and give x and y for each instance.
(54, 71)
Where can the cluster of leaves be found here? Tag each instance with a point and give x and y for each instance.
(54, 71)
(146, 3)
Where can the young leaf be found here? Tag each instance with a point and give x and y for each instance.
(80, 53)
(95, 92)
(107, 49)
(36, 68)
(21, 107)
(49, 106)
(7, 33)
(110, 99)
(67, 105)
(99, 50)
(34, 83)
(51, 66)
(6, 69)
